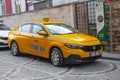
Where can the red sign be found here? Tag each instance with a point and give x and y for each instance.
(110, 0)
(8, 6)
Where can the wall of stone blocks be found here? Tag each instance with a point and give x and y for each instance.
(115, 25)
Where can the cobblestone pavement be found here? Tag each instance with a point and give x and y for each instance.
(26, 67)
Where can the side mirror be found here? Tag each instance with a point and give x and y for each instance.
(42, 33)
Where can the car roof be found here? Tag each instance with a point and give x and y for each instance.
(43, 22)
(47, 21)
(50, 22)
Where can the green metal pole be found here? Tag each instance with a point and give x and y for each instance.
(111, 37)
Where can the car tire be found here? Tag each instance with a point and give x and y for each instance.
(15, 49)
(56, 57)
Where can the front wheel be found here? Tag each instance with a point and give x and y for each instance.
(14, 49)
(56, 57)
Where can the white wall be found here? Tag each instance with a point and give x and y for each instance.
(13, 7)
(60, 2)
(0, 9)
(23, 5)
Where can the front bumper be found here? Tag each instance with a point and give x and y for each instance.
(3, 43)
(75, 59)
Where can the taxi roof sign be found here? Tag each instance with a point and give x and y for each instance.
(46, 19)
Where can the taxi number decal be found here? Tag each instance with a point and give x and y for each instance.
(42, 49)
(34, 47)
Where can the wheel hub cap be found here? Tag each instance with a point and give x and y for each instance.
(55, 57)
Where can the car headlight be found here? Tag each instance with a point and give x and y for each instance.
(73, 46)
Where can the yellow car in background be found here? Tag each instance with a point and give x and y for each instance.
(55, 41)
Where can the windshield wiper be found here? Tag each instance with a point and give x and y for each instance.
(56, 34)
(71, 33)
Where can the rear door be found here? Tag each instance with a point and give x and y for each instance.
(24, 38)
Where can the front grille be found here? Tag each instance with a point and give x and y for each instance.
(91, 48)
(3, 43)
(4, 38)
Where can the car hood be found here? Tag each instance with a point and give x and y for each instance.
(81, 39)
(4, 33)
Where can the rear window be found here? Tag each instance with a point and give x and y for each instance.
(4, 27)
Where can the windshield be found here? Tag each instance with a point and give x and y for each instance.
(59, 29)
(4, 27)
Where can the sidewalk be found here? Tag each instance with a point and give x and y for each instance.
(112, 56)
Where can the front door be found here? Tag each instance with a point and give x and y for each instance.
(37, 42)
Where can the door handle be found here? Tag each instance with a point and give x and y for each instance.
(35, 40)
(31, 36)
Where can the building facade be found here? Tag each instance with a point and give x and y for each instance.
(8, 7)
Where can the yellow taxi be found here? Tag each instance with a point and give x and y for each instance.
(56, 41)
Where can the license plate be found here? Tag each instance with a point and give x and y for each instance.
(92, 54)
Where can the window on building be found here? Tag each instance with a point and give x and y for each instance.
(1, 1)
(2, 7)
(91, 17)
(32, 4)
(17, 6)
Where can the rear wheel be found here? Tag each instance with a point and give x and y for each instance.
(56, 57)
(14, 49)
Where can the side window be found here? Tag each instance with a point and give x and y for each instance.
(20, 29)
(37, 28)
(25, 28)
